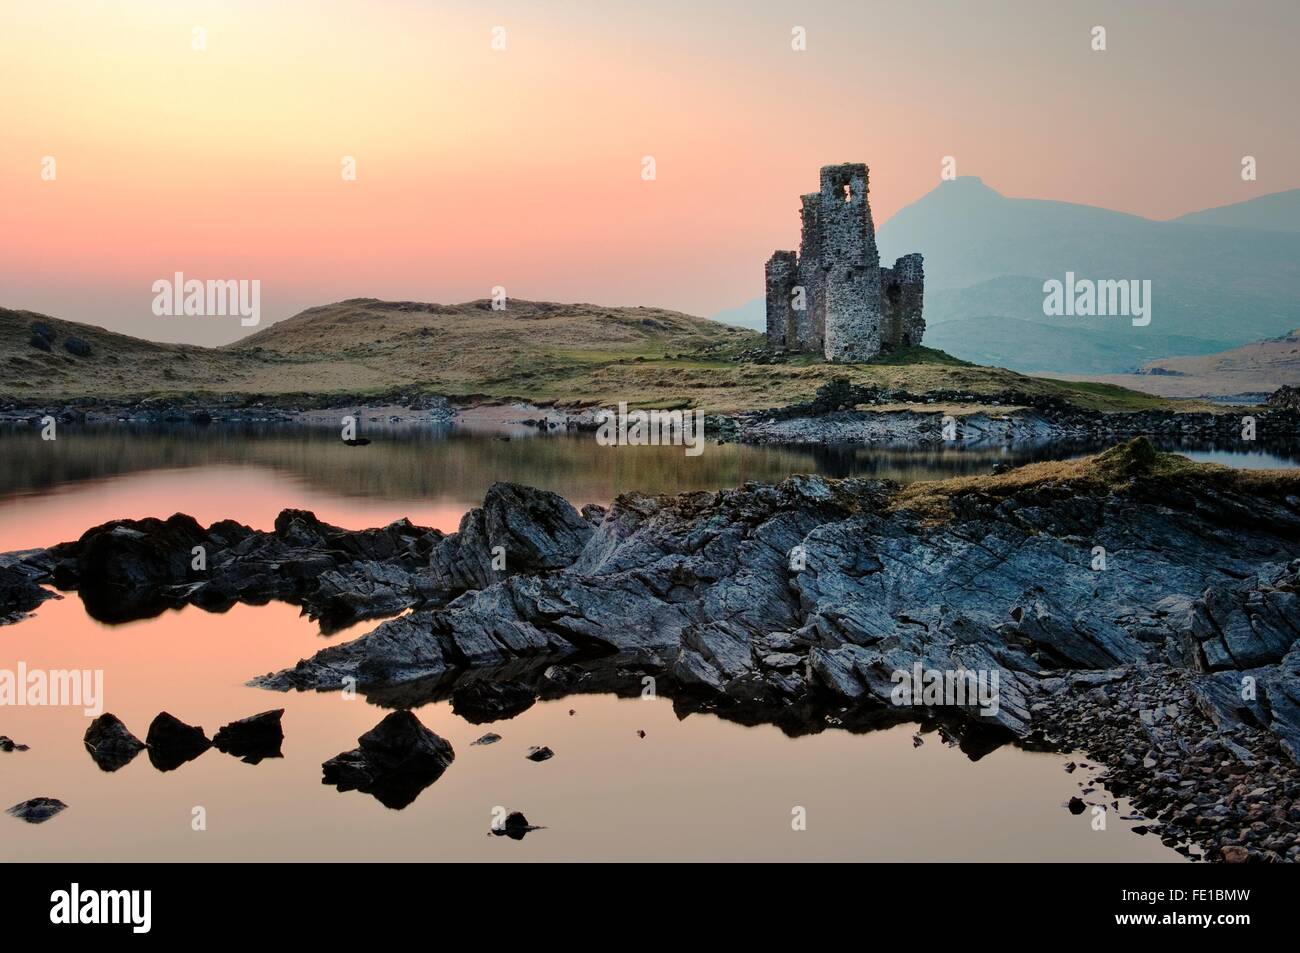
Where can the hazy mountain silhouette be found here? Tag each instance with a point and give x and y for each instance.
(1277, 212)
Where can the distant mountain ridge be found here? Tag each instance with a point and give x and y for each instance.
(1220, 278)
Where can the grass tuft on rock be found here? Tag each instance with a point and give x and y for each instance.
(1117, 470)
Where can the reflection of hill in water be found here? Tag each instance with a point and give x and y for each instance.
(426, 465)
(421, 465)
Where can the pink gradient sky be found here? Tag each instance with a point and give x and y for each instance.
(522, 168)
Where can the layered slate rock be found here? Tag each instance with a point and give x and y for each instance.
(252, 739)
(818, 587)
(393, 762)
(529, 530)
(110, 744)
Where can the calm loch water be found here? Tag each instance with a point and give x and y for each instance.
(693, 788)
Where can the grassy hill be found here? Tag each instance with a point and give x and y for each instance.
(1260, 367)
(575, 354)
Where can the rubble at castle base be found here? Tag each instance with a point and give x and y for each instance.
(832, 297)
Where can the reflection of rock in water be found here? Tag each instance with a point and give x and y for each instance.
(393, 762)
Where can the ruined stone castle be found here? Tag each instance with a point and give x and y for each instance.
(833, 298)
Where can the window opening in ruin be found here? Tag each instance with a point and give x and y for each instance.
(848, 194)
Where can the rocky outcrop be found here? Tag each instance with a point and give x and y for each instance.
(393, 762)
(132, 569)
(1285, 397)
(110, 744)
(989, 599)
(516, 530)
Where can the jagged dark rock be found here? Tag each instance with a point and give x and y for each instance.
(521, 529)
(540, 753)
(172, 743)
(1285, 397)
(110, 744)
(790, 602)
(131, 569)
(20, 590)
(394, 761)
(252, 739)
(7, 744)
(490, 738)
(38, 810)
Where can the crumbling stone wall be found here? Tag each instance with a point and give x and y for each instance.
(810, 317)
(782, 274)
(903, 287)
(852, 309)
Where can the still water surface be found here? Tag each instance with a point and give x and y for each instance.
(697, 787)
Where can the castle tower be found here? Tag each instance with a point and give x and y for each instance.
(851, 266)
(852, 309)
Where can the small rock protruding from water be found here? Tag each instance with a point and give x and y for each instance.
(490, 738)
(8, 744)
(172, 742)
(254, 738)
(110, 744)
(515, 826)
(540, 753)
(1077, 805)
(640, 732)
(38, 810)
(393, 762)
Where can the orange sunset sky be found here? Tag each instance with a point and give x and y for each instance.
(522, 167)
